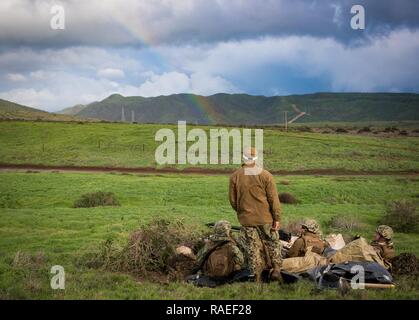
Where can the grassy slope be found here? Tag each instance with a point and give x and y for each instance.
(122, 144)
(36, 215)
(13, 111)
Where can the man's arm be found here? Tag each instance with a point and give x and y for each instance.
(273, 199)
(296, 248)
(232, 194)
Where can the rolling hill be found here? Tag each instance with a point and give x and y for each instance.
(236, 109)
(73, 110)
(13, 111)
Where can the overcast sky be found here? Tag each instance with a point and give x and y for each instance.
(160, 47)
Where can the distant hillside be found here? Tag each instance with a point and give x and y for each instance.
(247, 109)
(73, 110)
(13, 111)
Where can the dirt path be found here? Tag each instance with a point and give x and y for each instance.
(197, 171)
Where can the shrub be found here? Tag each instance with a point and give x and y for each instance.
(403, 133)
(8, 201)
(286, 197)
(341, 130)
(293, 226)
(401, 215)
(149, 251)
(28, 260)
(96, 199)
(364, 129)
(284, 182)
(345, 224)
(304, 129)
(405, 264)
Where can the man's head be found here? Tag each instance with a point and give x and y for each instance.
(385, 232)
(311, 225)
(222, 230)
(250, 155)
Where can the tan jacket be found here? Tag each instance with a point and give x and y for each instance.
(384, 249)
(254, 197)
(308, 239)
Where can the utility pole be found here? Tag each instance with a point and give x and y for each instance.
(123, 114)
(286, 120)
(132, 116)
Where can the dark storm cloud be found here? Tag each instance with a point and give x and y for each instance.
(132, 22)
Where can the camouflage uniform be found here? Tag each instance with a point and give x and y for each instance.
(384, 248)
(253, 240)
(311, 237)
(222, 233)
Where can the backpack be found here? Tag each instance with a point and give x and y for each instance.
(220, 262)
(316, 243)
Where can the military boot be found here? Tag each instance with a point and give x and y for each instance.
(275, 274)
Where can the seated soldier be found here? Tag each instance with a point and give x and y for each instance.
(220, 257)
(310, 237)
(382, 243)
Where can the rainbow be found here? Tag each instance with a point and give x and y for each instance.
(201, 103)
(206, 107)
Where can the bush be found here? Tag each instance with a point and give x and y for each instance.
(304, 129)
(27, 260)
(345, 224)
(401, 215)
(7, 201)
(294, 226)
(405, 264)
(96, 199)
(391, 129)
(403, 133)
(149, 251)
(364, 129)
(341, 130)
(286, 197)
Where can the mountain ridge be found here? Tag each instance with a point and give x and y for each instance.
(246, 109)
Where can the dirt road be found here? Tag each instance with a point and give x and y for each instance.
(197, 171)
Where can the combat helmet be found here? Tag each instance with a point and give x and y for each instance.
(385, 231)
(222, 231)
(311, 225)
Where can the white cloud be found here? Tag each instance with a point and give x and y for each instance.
(381, 64)
(111, 73)
(15, 77)
(67, 91)
(57, 78)
(29, 97)
(177, 82)
(42, 75)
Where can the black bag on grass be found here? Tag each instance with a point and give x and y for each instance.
(328, 276)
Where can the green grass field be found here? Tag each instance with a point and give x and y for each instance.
(37, 218)
(131, 145)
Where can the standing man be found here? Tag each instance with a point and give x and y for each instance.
(253, 195)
